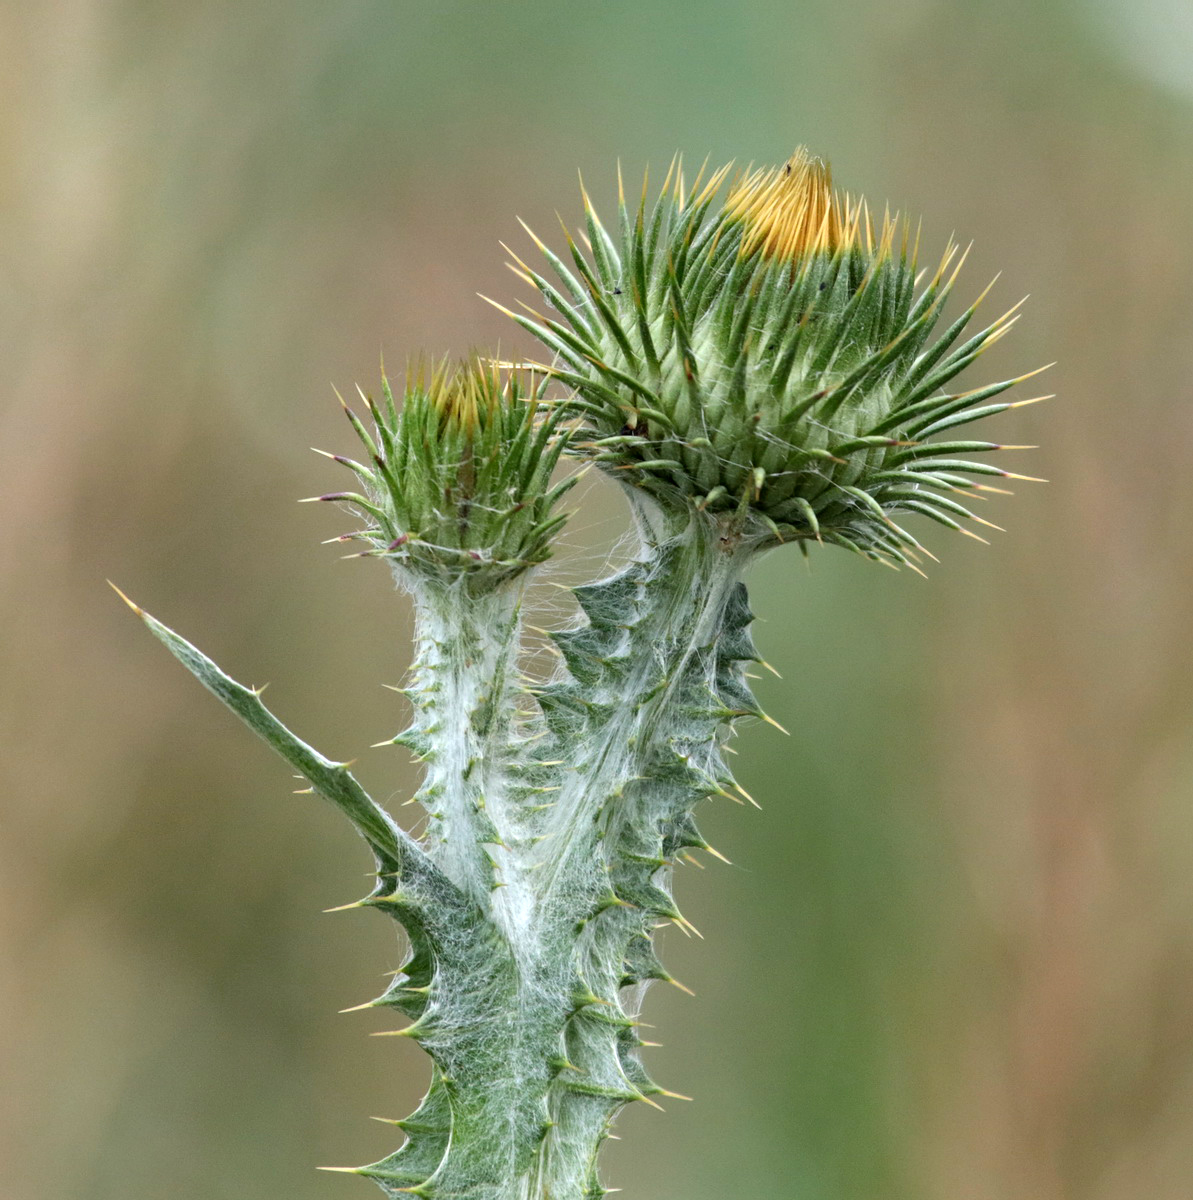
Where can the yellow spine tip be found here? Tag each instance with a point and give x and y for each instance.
(135, 607)
(771, 721)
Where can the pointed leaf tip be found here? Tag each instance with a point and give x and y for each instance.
(135, 607)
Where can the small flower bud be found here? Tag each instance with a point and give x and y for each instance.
(458, 483)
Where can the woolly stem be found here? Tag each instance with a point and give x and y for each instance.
(646, 676)
(463, 689)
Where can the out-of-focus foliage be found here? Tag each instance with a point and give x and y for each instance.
(955, 956)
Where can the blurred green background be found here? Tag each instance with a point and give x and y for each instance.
(954, 960)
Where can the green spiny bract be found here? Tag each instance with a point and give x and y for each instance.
(770, 357)
(754, 375)
(458, 481)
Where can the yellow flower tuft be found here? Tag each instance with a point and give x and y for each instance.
(791, 212)
(462, 394)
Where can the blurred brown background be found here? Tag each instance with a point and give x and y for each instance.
(954, 960)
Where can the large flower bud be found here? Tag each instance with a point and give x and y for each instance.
(761, 351)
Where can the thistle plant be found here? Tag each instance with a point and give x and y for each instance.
(755, 362)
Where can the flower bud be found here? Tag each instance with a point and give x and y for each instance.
(458, 480)
(766, 357)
